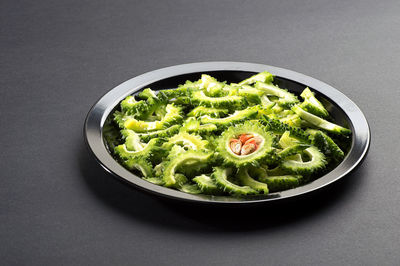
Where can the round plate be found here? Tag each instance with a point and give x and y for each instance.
(342, 109)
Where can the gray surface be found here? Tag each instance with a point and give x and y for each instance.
(57, 58)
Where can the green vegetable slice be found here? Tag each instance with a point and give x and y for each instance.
(246, 180)
(173, 116)
(220, 175)
(285, 98)
(212, 112)
(280, 183)
(263, 153)
(262, 77)
(207, 184)
(186, 140)
(312, 105)
(180, 160)
(317, 162)
(319, 122)
(236, 117)
(229, 101)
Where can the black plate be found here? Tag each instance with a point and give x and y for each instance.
(343, 110)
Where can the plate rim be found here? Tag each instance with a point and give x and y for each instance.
(98, 113)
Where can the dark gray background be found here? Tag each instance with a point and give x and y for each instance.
(57, 206)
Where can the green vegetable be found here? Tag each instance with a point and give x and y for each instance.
(285, 98)
(316, 162)
(246, 180)
(210, 137)
(220, 175)
(184, 159)
(173, 116)
(212, 112)
(312, 105)
(319, 122)
(264, 152)
(207, 185)
(235, 118)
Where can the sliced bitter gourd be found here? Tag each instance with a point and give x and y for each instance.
(292, 150)
(186, 140)
(246, 180)
(229, 101)
(263, 153)
(251, 94)
(278, 127)
(292, 120)
(312, 105)
(130, 106)
(280, 183)
(192, 125)
(275, 183)
(286, 141)
(285, 98)
(320, 123)
(262, 77)
(236, 117)
(132, 140)
(207, 184)
(139, 164)
(150, 150)
(180, 160)
(173, 116)
(220, 175)
(163, 133)
(212, 112)
(316, 162)
(326, 145)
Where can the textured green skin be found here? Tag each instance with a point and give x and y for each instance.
(192, 125)
(173, 116)
(173, 164)
(203, 129)
(130, 106)
(199, 98)
(292, 120)
(140, 164)
(326, 145)
(220, 176)
(251, 94)
(277, 171)
(163, 133)
(262, 77)
(278, 127)
(235, 118)
(279, 182)
(132, 141)
(312, 105)
(150, 151)
(292, 150)
(246, 180)
(207, 185)
(264, 153)
(212, 112)
(286, 98)
(317, 163)
(191, 141)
